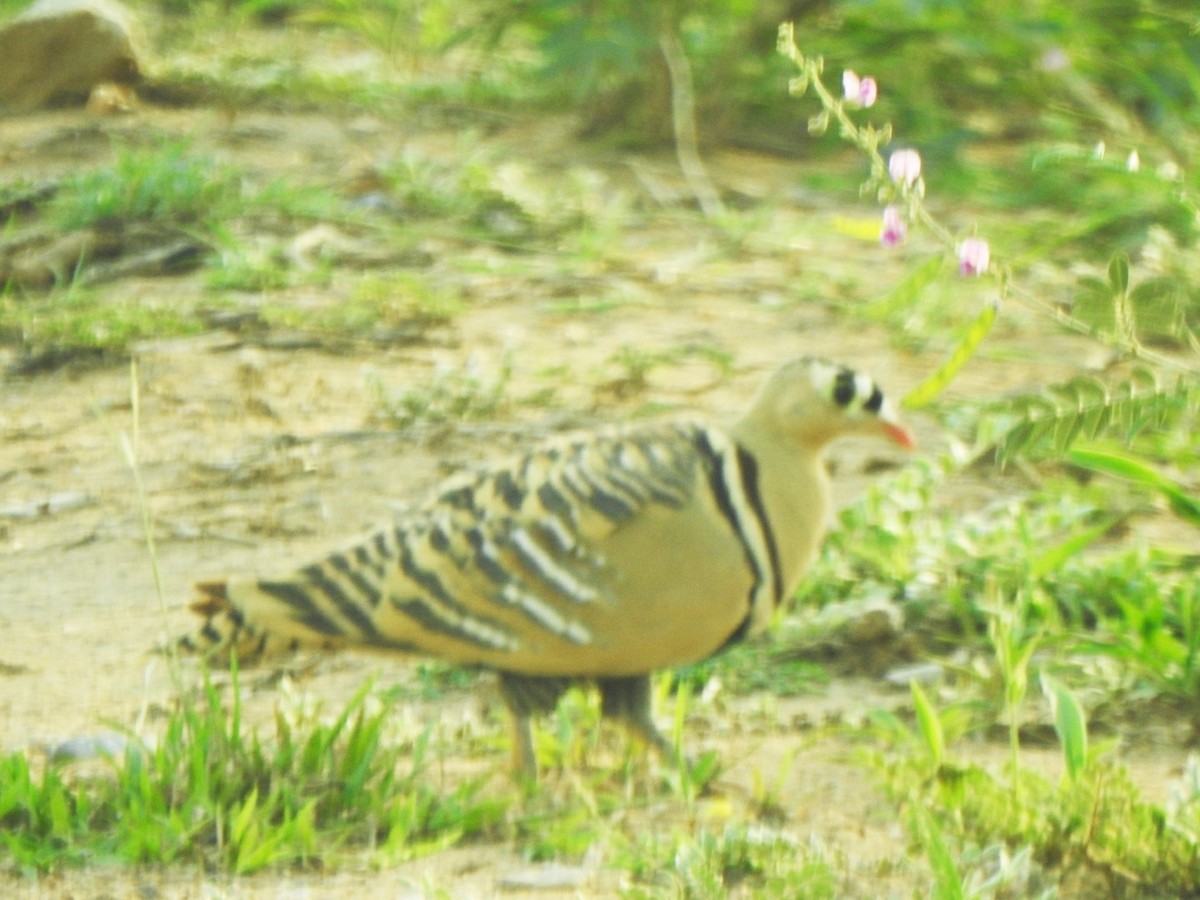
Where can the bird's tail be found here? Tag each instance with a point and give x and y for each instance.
(240, 617)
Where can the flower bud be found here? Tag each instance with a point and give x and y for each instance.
(860, 91)
(973, 256)
(895, 229)
(904, 166)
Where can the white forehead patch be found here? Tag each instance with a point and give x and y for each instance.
(822, 375)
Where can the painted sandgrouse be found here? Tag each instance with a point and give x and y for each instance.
(598, 557)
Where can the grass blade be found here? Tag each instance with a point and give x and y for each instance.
(1132, 469)
(1053, 559)
(947, 883)
(924, 393)
(931, 726)
(1070, 724)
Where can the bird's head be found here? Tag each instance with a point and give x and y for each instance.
(813, 401)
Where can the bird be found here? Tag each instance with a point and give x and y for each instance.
(596, 557)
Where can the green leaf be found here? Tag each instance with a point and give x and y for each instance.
(1070, 724)
(907, 291)
(927, 390)
(1118, 273)
(243, 820)
(1056, 557)
(1158, 307)
(1132, 469)
(59, 814)
(947, 882)
(931, 726)
(860, 229)
(1095, 306)
(1084, 407)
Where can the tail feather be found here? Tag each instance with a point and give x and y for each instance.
(240, 617)
(225, 630)
(213, 599)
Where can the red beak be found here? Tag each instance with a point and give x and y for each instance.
(898, 433)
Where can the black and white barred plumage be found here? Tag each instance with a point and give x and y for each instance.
(601, 556)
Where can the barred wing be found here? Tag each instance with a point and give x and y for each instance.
(608, 553)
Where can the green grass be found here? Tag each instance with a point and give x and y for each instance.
(1094, 833)
(773, 665)
(210, 790)
(465, 196)
(754, 858)
(167, 185)
(76, 322)
(163, 183)
(167, 182)
(396, 306)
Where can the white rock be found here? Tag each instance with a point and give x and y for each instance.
(87, 746)
(63, 47)
(552, 876)
(922, 673)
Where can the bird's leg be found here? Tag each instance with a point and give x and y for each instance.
(628, 701)
(526, 696)
(523, 760)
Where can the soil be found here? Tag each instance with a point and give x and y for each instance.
(257, 452)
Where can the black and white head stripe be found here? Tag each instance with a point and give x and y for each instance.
(845, 387)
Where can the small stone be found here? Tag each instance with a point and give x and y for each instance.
(866, 621)
(544, 878)
(87, 746)
(874, 626)
(110, 99)
(922, 673)
(52, 505)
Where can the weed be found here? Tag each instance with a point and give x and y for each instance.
(1145, 606)
(1013, 642)
(76, 320)
(1095, 827)
(434, 680)
(753, 666)
(248, 269)
(404, 296)
(757, 859)
(636, 364)
(452, 395)
(211, 790)
(404, 31)
(163, 183)
(427, 188)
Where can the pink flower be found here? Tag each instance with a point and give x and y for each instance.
(904, 166)
(861, 91)
(895, 229)
(973, 256)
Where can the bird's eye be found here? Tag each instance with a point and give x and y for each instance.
(844, 387)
